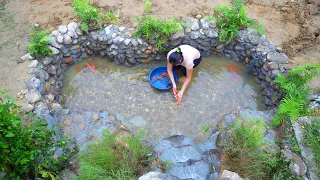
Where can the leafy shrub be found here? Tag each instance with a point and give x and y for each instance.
(296, 92)
(88, 15)
(246, 155)
(114, 158)
(156, 30)
(312, 139)
(26, 145)
(39, 43)
(230, 19)
(110, 17)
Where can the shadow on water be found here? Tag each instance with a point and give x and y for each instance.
(218, 86)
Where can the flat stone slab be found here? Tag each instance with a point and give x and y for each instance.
(192, 169)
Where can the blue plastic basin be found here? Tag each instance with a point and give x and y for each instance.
(161, 84)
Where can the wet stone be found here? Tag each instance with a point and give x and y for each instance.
(66, 122)
(54, 50)
(52, 70)
(26, 108)
(33, 96)
(71, 34)
(60, 39)
(62, 29)
(82, 126)
(27, 57)
(33, 83)
(277, 57)
(158, 176)
(33, 64)
(177, 35)
(67, 39)
(194, 35)
(192, 23)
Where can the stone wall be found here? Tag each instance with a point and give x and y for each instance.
(70, 44)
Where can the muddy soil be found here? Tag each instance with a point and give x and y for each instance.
(288, 24)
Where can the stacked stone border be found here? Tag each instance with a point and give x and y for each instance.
(70, 44)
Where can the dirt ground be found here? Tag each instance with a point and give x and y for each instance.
(287, 23)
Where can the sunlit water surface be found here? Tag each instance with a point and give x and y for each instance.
(126, 93)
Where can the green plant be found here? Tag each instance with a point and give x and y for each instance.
(296, 91)
(247, 155)
(312, 140)
(114, 158)
(156, 30)
(147, 8)
(5, 43)
(110, 17)
(230, 19)
(1, 7)
(26, 145)
(205, 128)
(88, 14)
(209, 18)
(39, 43)
(292, 139)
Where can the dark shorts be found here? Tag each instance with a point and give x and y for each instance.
(196, 62)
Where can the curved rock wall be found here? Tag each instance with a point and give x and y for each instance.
(70, 44)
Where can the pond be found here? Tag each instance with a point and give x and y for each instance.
(218, 86)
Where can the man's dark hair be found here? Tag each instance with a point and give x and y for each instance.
(175, 57)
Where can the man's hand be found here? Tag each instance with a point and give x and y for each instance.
(174, 89)
(180, 94)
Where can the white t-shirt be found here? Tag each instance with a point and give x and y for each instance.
(189, 54)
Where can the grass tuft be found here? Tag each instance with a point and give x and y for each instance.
(114, 158)
(247, 154)
(39, 43)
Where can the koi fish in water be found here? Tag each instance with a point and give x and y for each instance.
(178, 100)
(91, 67)
(160, 77)
(78, 68)
(232, 68)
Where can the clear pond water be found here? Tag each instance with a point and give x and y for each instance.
(124, 92)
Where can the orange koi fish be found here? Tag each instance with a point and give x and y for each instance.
(232, 68)
(92, 68)
(178, 100)
(78, 68)
(160, 77)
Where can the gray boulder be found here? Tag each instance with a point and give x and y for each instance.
(158, 176)
(62, 29)
(33, 96)
(277, 57)
(186, 159)
(192, 23)
(229, 175)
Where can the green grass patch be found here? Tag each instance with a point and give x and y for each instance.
(88, 14)
(247, 155)
(230, 19)
(205, 128)
(110, 17)
(312, 140)
(114, 158)
(295, 90)
(39, 43)
(91, 16)
(6, 43)
(26, 145)
(1, 7)
(156, 30)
